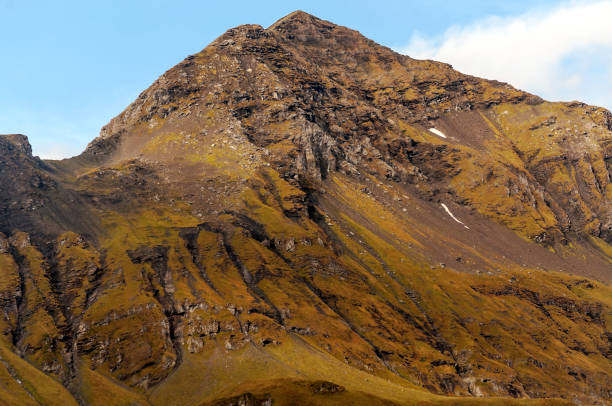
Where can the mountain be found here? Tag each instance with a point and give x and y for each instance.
(298, 215)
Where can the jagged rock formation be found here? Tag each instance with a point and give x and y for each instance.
(299, 215)
(31, 198)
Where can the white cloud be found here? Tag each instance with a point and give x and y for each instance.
(56, 150)
(564, 53)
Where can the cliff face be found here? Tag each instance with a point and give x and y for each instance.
(297, 214)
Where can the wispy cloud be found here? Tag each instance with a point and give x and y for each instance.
(51, 136)
(563, 53)
(57, 150)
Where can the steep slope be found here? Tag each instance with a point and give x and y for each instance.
(299, 215)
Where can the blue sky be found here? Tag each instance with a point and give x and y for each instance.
(68, 67)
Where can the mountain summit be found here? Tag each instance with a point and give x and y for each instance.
(298, 215)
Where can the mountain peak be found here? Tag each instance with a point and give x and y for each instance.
(298, 17)
(312, 30)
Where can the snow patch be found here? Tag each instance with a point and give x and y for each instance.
(453, 216)
(437, 132)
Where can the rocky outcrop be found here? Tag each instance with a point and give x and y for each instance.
(32, 199)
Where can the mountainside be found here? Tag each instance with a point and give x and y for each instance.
(298, 215)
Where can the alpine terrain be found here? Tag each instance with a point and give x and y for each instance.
(297, 215)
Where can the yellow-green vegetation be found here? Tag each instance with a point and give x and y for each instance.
(9, 279)
(290, 373)
(266, 294)
(101, 390)
(9, 288)
(603, 246)
(23, 384)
